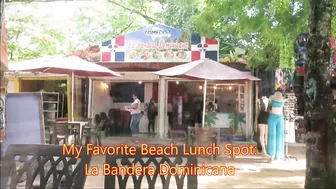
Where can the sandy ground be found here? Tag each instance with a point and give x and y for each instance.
(250, 171)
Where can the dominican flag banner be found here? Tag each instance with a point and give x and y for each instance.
(113, 50)
(202, 47)
(158, 43)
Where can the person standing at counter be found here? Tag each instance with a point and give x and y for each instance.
(216, 105)
(275, 144)
(199, 111)
(136, 116)
(151, 113)
(210, 107)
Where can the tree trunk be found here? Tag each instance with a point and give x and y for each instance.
(320, 144)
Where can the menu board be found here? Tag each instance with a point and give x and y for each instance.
(24, 120)
(157, 44)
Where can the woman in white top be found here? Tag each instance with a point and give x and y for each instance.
(136, 116)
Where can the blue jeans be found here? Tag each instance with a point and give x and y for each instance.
(135, 121)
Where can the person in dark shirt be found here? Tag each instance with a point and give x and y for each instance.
(210, 107)
(199, 109)
(151, 114)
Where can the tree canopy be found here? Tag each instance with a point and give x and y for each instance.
(30, 37)
(266, 29)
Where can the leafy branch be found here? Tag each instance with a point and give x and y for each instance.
(146, 17)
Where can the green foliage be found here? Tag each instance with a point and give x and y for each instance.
(286, 54)
(33, 34)
(210, 119)
(30, 37)
(179, 14)
(102, 24)
(142, 8)
(261, 26)
(236, 121)
(231, 57)
(267, 29)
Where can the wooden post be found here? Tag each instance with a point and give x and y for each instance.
(161, 107)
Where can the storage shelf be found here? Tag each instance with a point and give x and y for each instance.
(51, 105)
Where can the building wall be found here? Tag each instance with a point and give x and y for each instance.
(101, 100)
(12, 85)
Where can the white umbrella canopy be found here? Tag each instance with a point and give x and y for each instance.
(71, 65)
(206, 69)
(63, 65)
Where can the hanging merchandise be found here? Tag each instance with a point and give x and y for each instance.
(301, 60)
(301, 53)
(284, 79)
(290, 112)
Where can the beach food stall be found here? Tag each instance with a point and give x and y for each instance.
(138, 54)
(135, 56)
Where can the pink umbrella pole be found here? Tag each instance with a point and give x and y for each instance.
(204, 99)
(72, 95)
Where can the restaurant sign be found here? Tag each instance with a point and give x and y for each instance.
(157, 43)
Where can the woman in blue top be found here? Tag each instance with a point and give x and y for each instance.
(275, 144)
